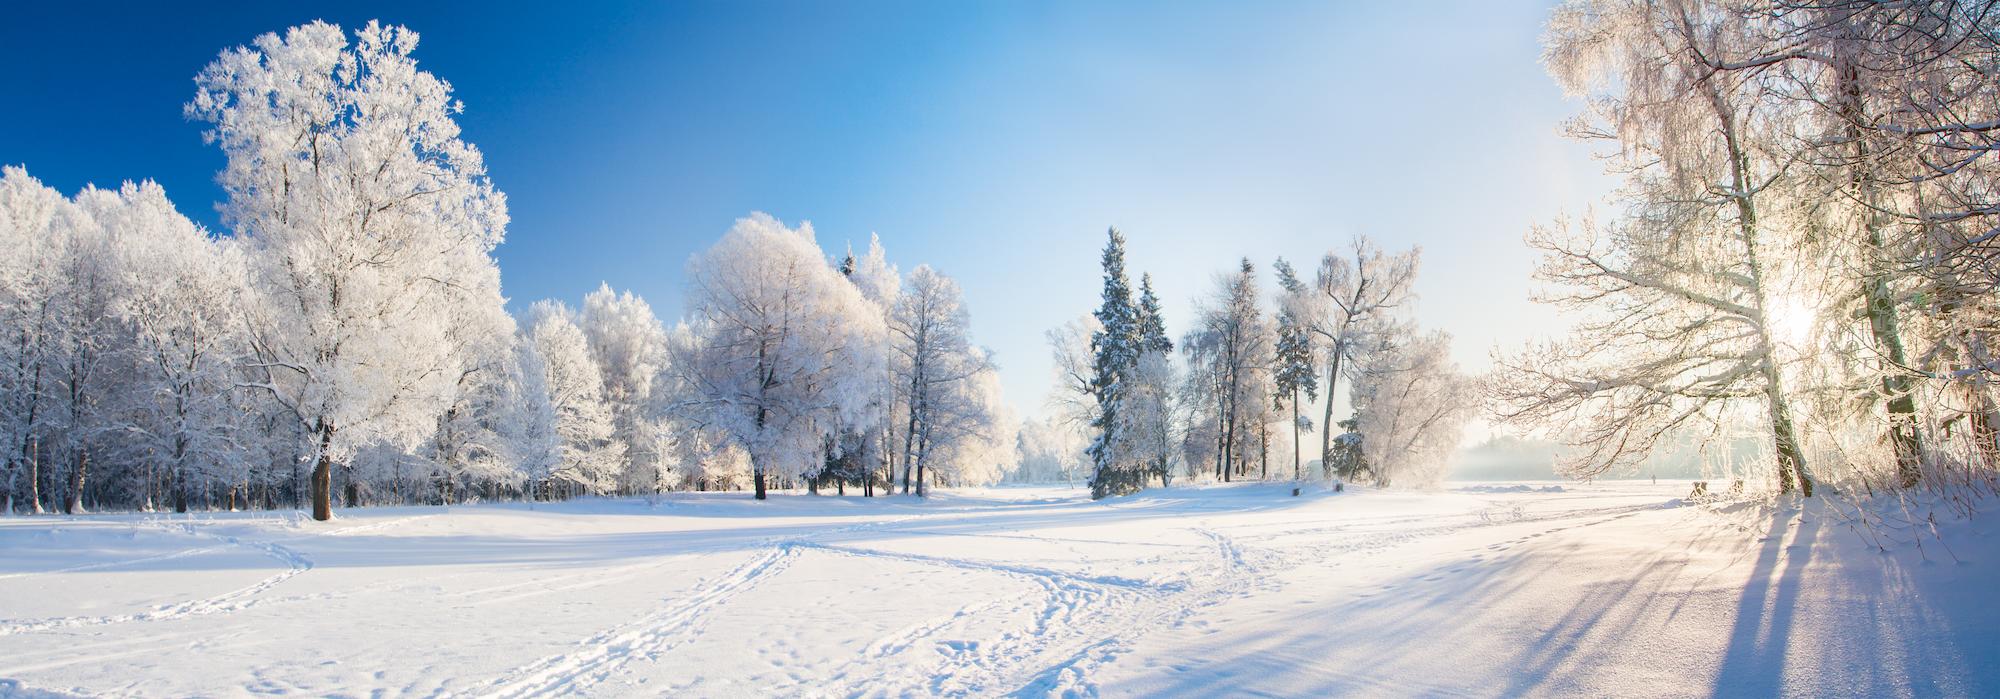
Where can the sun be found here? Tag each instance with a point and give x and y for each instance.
(1791, 320)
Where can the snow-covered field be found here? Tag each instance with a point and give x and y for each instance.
(1596, 590)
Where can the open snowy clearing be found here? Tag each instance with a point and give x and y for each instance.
(1610, 589)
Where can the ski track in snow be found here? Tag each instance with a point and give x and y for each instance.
(234, 600)
(117, 564)
(596, 658)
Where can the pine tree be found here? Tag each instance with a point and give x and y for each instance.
(1116, 350)
(1294, 371)
(1152, 327)
(1149, 409)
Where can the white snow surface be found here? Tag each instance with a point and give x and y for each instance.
(1611, 589)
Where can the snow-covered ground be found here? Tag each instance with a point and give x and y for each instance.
(1597, 590)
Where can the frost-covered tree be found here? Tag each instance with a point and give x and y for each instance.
(940, 373)
(1073, 400)
(474, 444)
(781, 350)
(1152, 411)
(1294, 364)
(1229, 352)
(1894, 107)
(971, 431)
(1050, 450)
(709, 460)
(1411, 407)
(534, 437)
(180, 297)
(87, 340)
(1351, 293)
(630, 346)
(1677, 297)
(365, 217)
(1115, 349)
(589, 457)
(874, 443)
(35, 226)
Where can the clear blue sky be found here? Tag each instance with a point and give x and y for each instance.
(995, 141)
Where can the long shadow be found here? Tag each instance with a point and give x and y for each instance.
(1754, 664)
(1410, 623)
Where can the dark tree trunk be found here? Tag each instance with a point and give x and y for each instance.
(322, 476)
(1263, 452)
(180, 475)
(1295, 437)
(73, 500)
(1326, 421)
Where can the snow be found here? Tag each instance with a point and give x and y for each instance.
(1515, 488)
(1601, 589)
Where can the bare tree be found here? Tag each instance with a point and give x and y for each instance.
(1350, 291)
(1677, 296)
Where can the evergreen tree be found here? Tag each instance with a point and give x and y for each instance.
(1149, 407)
(1294, 371)
(1116, 357)
(1152, 327)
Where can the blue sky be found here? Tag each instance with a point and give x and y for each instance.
(995, 141)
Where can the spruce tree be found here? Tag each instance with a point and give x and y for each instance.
(1154, 417)
(1294, 372)
(1116, 349)
(1152, 327)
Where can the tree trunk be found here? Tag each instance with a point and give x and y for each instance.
(909, 440)
(73, 500)
(1326, 422)
(180, 491)
(322, 476)
(757, 476)
(1784, 436)
(922, 458)
(180, 475)
(1296, 467)
(353, 497)
(34, 449)
(1883, 321)
(1263, 451)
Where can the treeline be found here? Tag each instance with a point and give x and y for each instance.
(1803, 249)
(350, 337)
(1237, 400)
